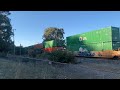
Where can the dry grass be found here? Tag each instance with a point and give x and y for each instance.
(10, 69)
(30, 70)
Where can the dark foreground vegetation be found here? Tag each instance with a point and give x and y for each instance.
(62, 56)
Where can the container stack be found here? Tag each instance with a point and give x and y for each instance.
(97, 40)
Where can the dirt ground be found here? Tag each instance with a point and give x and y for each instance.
(87, 68)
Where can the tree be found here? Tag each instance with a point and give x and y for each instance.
(53, 33)
(5, 32)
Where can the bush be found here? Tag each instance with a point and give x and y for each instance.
(35, 52)
(42, 55)
(62, 56)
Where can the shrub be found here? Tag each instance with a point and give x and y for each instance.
(42, 55)
(61, 56)
(35, 52)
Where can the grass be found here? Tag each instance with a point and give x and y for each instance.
(17, 69)
(10, 69)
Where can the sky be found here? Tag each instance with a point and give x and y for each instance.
(30, 25)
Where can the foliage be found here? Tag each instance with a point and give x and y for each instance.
(44, 55)
(62, 56)
(35, 52)
(5, 32)
(20, 50)
(53, 33)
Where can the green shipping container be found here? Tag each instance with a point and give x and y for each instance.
(105, 34)
(49, 44)
(77, 47)
(97, 40)
(74, 47)
(96, 36)
(101, 35)
(73, 39)
(53, 43)
(109, 34)
(94, 47)
(107, 46)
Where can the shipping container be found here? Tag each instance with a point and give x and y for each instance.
(104, 42)
(84, 47)
(107, 46)
(73, 47)
(94, 46)
(108, 34)
(73, 39)
(53, 43)
(105, 34)
(49, 44)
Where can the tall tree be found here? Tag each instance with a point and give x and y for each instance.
(5, 32)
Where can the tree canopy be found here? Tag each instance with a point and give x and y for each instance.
(5, 32)
(53, 33)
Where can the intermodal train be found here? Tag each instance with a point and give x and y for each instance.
(104, 42)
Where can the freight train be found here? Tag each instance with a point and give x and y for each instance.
(103, 43)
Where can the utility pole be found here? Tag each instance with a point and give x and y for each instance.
(14, 40)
